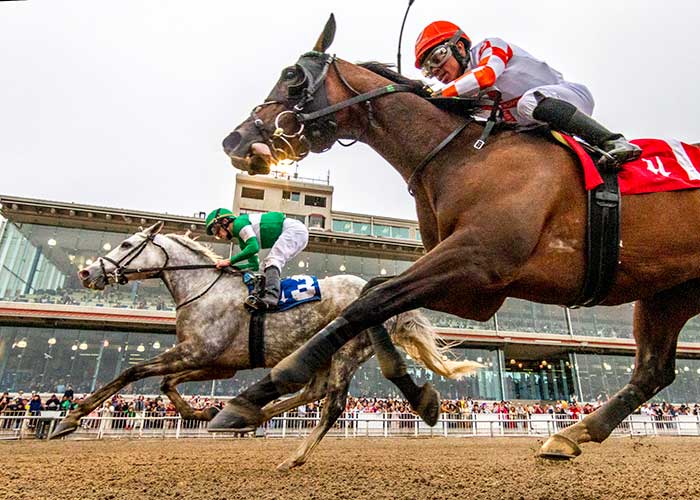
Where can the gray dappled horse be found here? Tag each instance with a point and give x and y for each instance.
(212, 331)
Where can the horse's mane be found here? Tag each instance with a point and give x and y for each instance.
(384, 69)
(195, 246)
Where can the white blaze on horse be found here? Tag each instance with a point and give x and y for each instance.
(212, 328)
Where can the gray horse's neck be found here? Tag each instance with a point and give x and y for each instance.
(187, 284)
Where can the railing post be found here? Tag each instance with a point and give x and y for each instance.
(101, 427)
(178, 424)
(415, 427)
(284, 424)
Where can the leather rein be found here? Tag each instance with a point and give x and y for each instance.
(316, 119)
(121, 271)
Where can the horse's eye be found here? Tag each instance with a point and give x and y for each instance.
(125, 245)
(290, 73)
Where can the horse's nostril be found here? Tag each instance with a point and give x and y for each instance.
(84, 274)
(232, 141)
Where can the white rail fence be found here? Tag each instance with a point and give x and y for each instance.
(292, 424)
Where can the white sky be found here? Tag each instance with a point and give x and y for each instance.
(125, 103)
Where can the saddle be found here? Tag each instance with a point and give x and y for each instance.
(294, 291)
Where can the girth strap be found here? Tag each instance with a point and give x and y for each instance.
(602, 240)
(256, 339)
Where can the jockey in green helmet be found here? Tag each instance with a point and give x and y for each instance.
(286, 238)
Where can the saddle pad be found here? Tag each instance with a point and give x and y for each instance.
(294, 291)
(669, 165)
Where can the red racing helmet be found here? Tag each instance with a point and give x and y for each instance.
(433, 34)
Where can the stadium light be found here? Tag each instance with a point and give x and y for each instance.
(342, 268)
(52, 341)
(51, 242)
(22, 344)
(301, 264)
(107, 246)
(88, 262)
(156, 345)
(83, 346)
(105, 343)
(140, 348)
(74, 347)
(382, 272)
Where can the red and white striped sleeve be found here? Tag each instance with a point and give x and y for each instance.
(493, 55)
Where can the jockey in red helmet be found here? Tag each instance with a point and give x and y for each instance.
(532, 92)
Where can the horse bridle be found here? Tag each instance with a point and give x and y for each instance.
(121, 271)
(315, 116)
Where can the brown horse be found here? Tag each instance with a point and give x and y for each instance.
(504, 221)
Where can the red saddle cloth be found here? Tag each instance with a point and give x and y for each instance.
(664, 166)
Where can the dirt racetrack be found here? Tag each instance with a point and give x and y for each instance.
(621, 468)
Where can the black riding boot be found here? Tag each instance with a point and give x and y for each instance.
(565, 117)
(272, 288)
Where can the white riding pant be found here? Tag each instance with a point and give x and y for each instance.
(573, 93)
(291, 243)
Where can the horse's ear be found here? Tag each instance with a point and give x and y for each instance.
(326, 39)
(155, 228)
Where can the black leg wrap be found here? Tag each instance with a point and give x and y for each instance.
(606, 418)
(295, 371)
(262, 392)
(408, 388)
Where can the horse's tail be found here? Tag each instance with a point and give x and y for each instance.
(414, 333)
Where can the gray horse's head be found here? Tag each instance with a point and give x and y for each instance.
(139, 251)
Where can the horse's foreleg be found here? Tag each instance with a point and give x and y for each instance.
(179, 358)
(424, 283)
(657, 323)
(169, 387)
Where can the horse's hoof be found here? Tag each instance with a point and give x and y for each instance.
(558, 447)
(285, 466)
(63, 428)
(239, 415)
(428, 407)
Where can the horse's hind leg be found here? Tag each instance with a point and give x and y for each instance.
(169, 387)
(424, 400)
(345, 363)
(178, 359)
(657, 323)
(311, 392)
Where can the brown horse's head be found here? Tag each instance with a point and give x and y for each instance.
(276, 130)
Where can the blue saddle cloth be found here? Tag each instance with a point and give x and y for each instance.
(294, 291)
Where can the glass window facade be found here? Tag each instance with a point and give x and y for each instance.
(38, 264)
(314, 201)
(252, 193)
(291, 195)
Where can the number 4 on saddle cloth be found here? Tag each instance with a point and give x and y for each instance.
(294, 291)
(665, 165)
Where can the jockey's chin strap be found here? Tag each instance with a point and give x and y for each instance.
(121, 271)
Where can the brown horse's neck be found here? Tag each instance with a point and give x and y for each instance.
(407, 127)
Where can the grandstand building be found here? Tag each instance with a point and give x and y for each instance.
(53, 332)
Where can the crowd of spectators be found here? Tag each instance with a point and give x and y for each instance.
(158, 406)
(119, 297)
